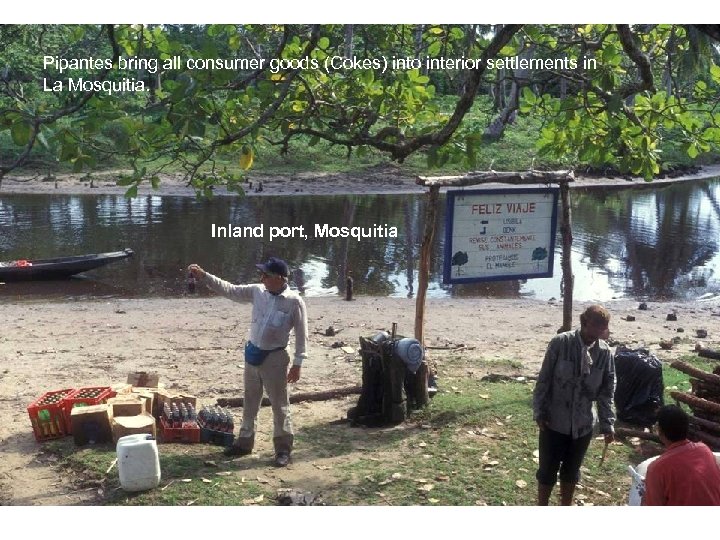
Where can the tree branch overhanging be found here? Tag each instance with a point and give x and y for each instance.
(38, 121)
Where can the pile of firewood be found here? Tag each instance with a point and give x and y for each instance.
(704, 400)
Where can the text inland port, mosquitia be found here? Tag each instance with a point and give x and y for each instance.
(298, 231)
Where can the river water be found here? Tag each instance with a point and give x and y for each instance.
(654, 244)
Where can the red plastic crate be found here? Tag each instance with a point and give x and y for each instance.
(92, 395)
(187, 434)
(47, 415)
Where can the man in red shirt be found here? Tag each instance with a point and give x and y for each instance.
(686, 474)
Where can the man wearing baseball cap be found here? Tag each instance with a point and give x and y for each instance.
(276, 310)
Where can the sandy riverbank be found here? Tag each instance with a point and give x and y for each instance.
(194, 343)
(382, 179)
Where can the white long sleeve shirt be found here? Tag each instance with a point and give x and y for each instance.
(273, 315)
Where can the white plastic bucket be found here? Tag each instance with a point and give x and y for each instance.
(138, 462)
(638, 474)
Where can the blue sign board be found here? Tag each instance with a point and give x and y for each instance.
(499, 234)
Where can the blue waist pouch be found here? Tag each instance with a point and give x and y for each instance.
(254, 355)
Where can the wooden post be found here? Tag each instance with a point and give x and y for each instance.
(348, 288)
(568, 277)
(421, 377)
(424, 268)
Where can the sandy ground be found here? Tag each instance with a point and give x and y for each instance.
(194, 344)
(381, 179)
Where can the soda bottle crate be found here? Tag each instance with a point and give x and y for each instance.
(185, 434)
(223, 438)
(91, 395)
(47, 415)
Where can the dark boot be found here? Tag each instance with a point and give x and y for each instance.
(241, 446)
(543, 497)
(567, 490)
(284, 444)
(283, 448)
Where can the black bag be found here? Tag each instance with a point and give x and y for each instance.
(383, 399)
(639, 391)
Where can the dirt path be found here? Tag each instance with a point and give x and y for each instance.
(193, 344)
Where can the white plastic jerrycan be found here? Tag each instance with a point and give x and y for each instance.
(138, 462)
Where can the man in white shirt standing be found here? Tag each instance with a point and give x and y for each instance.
(276, 311)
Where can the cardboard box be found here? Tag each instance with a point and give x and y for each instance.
(128, 405)
(91, 424)
(121, 388)
(169, 397)
(163, 396)
(143, 378)
(148, 397)
(129, 425)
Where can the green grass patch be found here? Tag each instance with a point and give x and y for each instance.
(476, 443)
(191, 474)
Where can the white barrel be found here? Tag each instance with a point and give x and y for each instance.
(638, 474)
(138, 462)
(637, 486)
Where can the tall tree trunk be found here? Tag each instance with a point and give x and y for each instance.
(349, 32)
(507, 116)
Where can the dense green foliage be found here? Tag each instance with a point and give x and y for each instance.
(163, 97)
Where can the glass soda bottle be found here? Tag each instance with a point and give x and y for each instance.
(191, 283)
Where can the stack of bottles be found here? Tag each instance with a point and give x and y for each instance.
(216, 425)
(179, 423)
(181, 416)
(217, 419)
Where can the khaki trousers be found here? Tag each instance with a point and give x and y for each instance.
(271, 375)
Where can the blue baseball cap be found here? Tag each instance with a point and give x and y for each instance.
(274, 266)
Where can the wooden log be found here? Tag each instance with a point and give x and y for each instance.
(297, 398)
(627, 433)
(695, 372)
(704, 390)
(705, 424)
(712, 441)
(695, 402)
(709, 353)
(708, 416)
